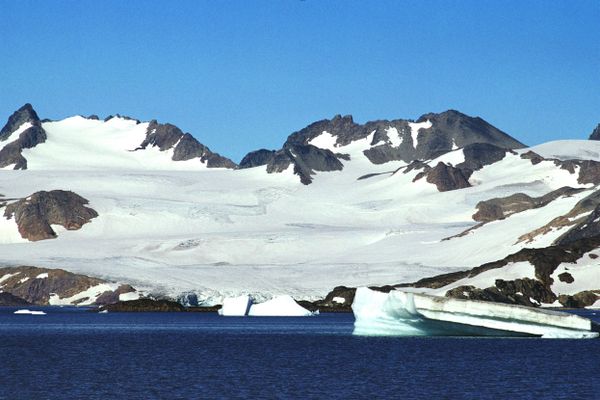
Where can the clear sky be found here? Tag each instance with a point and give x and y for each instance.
(242, 75)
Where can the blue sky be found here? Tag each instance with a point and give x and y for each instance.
(241, 75)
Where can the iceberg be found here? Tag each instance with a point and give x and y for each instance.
(280, 306)
(29, 312)
(400, 313)
(235, 306)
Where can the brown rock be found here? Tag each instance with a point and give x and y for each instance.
(35, 214)
(446, 177)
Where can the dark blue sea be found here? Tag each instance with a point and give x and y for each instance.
(75, 354)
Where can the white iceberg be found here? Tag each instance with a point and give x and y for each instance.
(235, 306)
(280, 306)
(399, 313)
(29, 312)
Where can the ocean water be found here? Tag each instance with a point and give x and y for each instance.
(74, 354)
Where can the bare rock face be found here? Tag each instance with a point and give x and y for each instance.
(35, 214)
(257, 158)
(573, 218)
(111, 297)
(185, 146)
(11, 152)
(306, 159)
(518, 291)
(446, 177)
(36, 285)
(466, 130)
(10, 300)
(596, 133)
(579, 300)
(588, 228)
(503, 207)
(478, 155)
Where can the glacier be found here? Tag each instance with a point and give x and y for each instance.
(402, 313)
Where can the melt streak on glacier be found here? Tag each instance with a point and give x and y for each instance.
(399, 313)
(173, 227)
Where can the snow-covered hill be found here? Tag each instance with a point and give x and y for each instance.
(168, 224)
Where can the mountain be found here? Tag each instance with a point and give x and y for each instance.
(340, 204)
(323, 145)
(88, 143)
(22, 131)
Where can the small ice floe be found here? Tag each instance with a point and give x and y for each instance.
(103, 312)
(29, 312)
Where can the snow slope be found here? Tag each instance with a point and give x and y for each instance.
(79, 143)
(171, 227)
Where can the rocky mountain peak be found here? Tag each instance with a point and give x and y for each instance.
(185, 146)
(18, 118)
(596, 133)
(465, 130)
(11, 153)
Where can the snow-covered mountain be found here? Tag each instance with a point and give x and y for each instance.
(80, 143)
(387, 202)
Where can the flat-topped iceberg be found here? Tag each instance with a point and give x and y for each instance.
(280, 306)
(29, 312)
(399, 313)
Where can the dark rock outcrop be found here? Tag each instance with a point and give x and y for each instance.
(18, 118)
(307, 159)
(111, 297)
(35, 285)
(257, 158)
(11, 153)
(465, 130)
(518, 291)
(328, 304)
(10, 300)
(595, 133)
(185, 146)
(108, 118)
(144, 305)
(35, 214)
(503, 207)
(579, 300)
(588, 228)
(478, 155)
(576, 218)
(446, 177)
